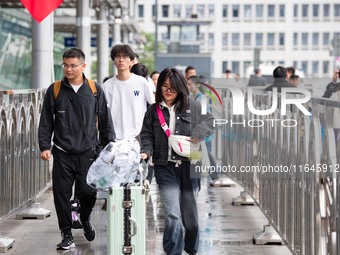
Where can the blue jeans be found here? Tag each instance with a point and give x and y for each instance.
(179, 196)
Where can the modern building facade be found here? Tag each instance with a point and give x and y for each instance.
(238, 34)
(26, 59)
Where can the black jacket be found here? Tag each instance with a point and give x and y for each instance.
(154, 140)
(279, 83)
(330, 89)
(59, 117)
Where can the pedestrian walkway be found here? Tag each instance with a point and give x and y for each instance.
(224, 228)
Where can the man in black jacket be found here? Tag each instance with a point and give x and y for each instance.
(333, 86)
(280, 80)
(70, 118)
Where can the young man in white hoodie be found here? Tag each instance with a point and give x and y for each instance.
(127, 94)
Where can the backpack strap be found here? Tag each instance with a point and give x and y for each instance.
(56, 88)
(92, 86)
(57, 85)
(162, 120)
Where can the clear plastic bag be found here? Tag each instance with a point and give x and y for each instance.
(117, 164)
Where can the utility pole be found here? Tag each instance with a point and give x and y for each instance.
(256, 58)
(156, 34)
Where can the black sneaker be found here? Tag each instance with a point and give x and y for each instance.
(89, 231)
(66, 243)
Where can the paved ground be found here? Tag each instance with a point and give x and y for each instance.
(225, 229)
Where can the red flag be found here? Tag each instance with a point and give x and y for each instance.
(40, 9)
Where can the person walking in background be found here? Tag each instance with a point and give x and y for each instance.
(333, 92)
(70, 118)
(257, 79)
(139, 69)
(290, 72)
(127, 94)
(154, 77)
(190, 71)
(194, 84)
(228, 74)
(178, 190)
(280, 80)
(142, 70)
(295, 80)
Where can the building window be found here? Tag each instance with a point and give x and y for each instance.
(296, 10)
(295, 63)
(281, 39)
(188, 10)
(211, 10)
(336, 10)
(247, 11)
(325, 67)
(247, 39)
(315, 10)
(259, 39)
(282, 10)
(326, 10)
(315, 67)
(225, 39)
(305, 10)
(304, 40)
(295, 40)
(270, 39)
(225, 11)
(271, 10)
(200, 11)
(140, 11)
(235, 65)
(246, 64)
(259, 10)
(188, 33)
(235, 39)
(315, 39)
(236, 10)
(175, 33)
(177, 11)
(211, 39)
(304, 66)
(153, 11)
(224, 66)
(165, 11)
(325, 39)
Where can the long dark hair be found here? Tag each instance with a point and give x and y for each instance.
(177, 82)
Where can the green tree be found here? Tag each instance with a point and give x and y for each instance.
(146, 50)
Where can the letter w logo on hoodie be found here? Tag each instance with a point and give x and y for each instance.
(136, 92)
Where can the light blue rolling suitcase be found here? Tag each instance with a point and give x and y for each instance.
(115, 172)
(126, 220)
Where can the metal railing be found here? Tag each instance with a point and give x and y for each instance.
(291, 172)
(299, 194)
(22, 174)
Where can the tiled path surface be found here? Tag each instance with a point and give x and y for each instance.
(225, 229)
